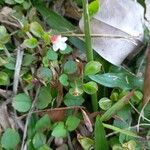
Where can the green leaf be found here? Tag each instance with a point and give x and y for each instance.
(90, 87)
(63, 79)
(39, 140)
(92, 68)
(105, 103)
(22, 102)
(86, 142)
(26, 5)
(4, 78)
(19, 1)
(70, 67)
(93, 7)
(11, 2)
(72, 123)
(45, 147)
(10, 63)
(46, 38)
(27, 60)
(2, 61)
(36, 29)
(51, 55)
(44, 98)
(122, 80)
(99, 135)
(71, 100)
(31, 43)
(10, 139)
(44, 74)
(43, 123)
(4, 36)
(59, 130)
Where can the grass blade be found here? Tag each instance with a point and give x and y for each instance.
(99, 132)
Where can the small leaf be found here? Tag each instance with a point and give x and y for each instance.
(59, 130)
(51, 55)
(4, 36)
(90, 87)
(46, 38)
(44, 98)
(70, 67)
(72, 123)
(39, 140)
(4, 78)
(44, 74)
(10, 139)
(22, 102)
(93, 7)
(30, 43)
(105, 103)
(27, 60)
(19, 1)
(99, 133)
(71, 100)
(43, 124)
(92, 68)
(36, 29)
(64, 80)
(85, 142)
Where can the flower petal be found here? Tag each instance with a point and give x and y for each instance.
(62, 46)
(55, 47)
(64, 39)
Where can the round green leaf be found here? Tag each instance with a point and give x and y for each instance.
(92, 68)
(64, 80)
(39, 140)
(26, 5)
(70, 67)
(27, 60)
(51, 55)
(59, 130)
(44, 98)
(43, 124)
(4, 78)
(90, 87)
(105, 103)
(44, 74)
(10, 139)
(71, 100)
(30, 43)
(36, 29)
(72, 123)
(22, 102)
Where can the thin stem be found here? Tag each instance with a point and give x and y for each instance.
(89, 50)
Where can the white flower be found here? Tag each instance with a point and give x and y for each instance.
(59, 42)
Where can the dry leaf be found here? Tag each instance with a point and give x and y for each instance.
(146, 90)
(87, 121)
(117, 18)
